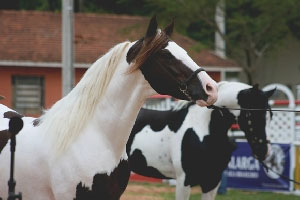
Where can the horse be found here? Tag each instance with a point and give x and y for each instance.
(190, 143)
(77, 148)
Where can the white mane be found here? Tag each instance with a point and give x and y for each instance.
(66, 119)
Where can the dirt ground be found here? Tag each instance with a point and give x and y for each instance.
(140, 191)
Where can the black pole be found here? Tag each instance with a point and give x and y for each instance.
(15, 125)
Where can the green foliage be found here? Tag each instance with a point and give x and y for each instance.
(259, 23)
(198, 47)
(131, 7)
(200, 31)
(52, 5)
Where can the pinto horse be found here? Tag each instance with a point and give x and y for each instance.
(80, 142)
(190, 144)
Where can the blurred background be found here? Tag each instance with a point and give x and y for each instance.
(251, 41)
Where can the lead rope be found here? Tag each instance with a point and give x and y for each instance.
(282, 176)
(254, 109)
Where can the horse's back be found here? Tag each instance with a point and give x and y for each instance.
(30, 165)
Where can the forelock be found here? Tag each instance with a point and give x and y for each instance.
(147, 48)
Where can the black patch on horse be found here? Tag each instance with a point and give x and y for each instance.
(138, 164)
(4, 137)
(5, 134)
(134, 50)
(157, 120)
(212, 154)
(36, 122)
(106, 187)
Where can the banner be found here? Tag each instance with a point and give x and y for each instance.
(245, 172)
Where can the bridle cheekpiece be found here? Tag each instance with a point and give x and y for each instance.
(183, 85)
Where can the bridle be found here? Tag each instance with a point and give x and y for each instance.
(183, 85)
(245, 122)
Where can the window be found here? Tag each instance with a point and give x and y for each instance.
(28, 94)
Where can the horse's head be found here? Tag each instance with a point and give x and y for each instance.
(253, 123)
(168, 68)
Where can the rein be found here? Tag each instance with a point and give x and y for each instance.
(282, 176)
(183, 85)
(254, 109)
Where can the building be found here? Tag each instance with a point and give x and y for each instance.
(30, 53)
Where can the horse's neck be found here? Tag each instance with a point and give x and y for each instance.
(116, 113)
(227, 94)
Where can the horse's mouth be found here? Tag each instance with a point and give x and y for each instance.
(208, 102)
(202, 103)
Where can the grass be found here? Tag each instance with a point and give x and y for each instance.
(149, 191)
(250, 195)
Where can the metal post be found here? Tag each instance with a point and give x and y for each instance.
(67, 47)
(15, 125)
(220, 44)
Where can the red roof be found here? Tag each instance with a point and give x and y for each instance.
(36, 36)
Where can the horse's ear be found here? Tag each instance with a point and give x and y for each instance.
(169, 29)
(152, 27)
(255, 86)
(269, 93)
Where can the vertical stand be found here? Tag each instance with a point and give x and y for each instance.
(15, 125)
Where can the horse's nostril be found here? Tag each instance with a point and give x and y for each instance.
(209, 88)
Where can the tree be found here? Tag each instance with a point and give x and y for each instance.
(254, 27)
(51, 5)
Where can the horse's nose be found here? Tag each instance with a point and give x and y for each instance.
(211, 90)
(210, 87)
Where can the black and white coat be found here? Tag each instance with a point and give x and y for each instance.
(190, 144)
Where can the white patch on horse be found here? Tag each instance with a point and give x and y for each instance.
(161, 139)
